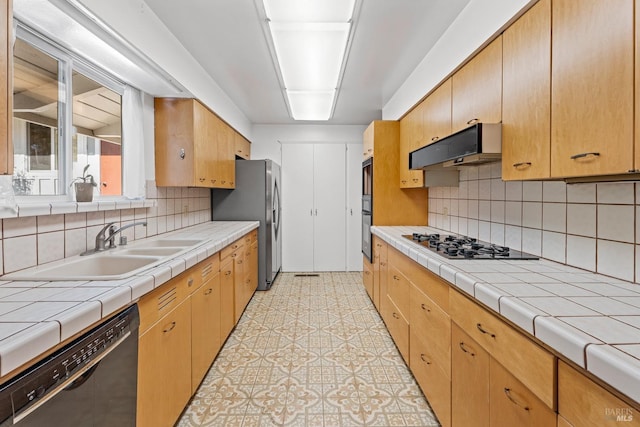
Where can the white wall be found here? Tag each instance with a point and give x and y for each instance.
(267, 139)
(476, 24)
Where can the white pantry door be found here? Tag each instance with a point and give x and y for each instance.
(354, 207)
(297, 207)
(329, 229)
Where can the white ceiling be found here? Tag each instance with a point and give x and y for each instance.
(226, 37)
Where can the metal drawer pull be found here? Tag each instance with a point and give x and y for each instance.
(462, 346)
(435, 138)
(190, 281)
(227, 273)
(582, 155)
(507, 391)
(517, 165)
(484, 331)
(424, 359)
(396, 277)
(472, 121)
(424, 307)
(170, 328)
(383, 263)
(208, 291)
(395, 315)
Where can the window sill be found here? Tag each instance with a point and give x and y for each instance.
(26, 209)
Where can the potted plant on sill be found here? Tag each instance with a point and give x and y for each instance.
(84, 186)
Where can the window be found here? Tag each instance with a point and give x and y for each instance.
(59, 128)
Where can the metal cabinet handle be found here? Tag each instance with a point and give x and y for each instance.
(395, 315)
(424, 307)
(422, 356)
(463, 347)
(383, 263)
(364, 154)
(227, 273)
(182, 154)
(583, 155)
(484, 331)
(435, 138)
(190, 281)
(208, 291)
(507, 391)
(472, 121)
(517, 165)
(404, 181)
(170, 328)
(415, 179)
(396, 278)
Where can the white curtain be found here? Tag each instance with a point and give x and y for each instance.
(133, 144)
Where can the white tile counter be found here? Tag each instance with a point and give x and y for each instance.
(591, 319)
(36, 316)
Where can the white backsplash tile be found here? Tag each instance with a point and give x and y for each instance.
(554, 191)
(50, 246)
(616, 192)
(554, 246)
(616, 259)
(532, 191)
(19, 253)
(581, 219)
(532, 215)
(484, 210)
(513, 213)
(513, 237)
(581, 252)
(14, 227)
(49, 223)
(513, 190)
(581, 193)
(554, 217)
(532, 241)
(616, 222)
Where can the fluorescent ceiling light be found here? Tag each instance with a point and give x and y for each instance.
(307, 105)
(310, 39)
(310, 54)
(309, 10)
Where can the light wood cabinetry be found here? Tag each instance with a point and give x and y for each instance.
(380, 249)
(398, 326)
(242, 146)
(6, 88)
(205, 320)
(592, 79)
(526, 95)
(193, 147)
(367, 143)
(582, 402)
(227, 317)
(411, 137)
(367, 277)
(477, 89)
(469, 381)
(392, 205)
(238, 282)
(436, 114)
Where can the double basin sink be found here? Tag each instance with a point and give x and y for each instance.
(112, 264)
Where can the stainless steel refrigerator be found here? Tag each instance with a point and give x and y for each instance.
(256, 198)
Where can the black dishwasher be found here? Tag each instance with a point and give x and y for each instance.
(88, 382)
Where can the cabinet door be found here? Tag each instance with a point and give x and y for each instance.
(205, 329)
(297, 207)
(477, 89)
(164, 369)
(526, 97)
(174, 149)
(469, 381)
(592, 73)
(354, 208)
(329, 227)
(227, 318)
(512, 404)
(238, 283)
(367, 143)
(204, 146)
(242, 146)
(436, 115)
(226, 155)
(410, 137)
(367, 277)
(6, 88)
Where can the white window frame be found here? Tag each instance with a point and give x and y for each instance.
(67, 63)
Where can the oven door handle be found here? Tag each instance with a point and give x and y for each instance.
(19, 417)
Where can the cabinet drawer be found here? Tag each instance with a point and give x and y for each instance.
(398, 327)
(433, 380)
(530, 363)
(253, 235)
(432, 326)
(584, 403)
(205, 270)
(436, 288)
(398, 290)
(367, 277)
(162, 300)
(512, 404)
(231, 249)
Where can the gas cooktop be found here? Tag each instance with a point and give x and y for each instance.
(462, 247)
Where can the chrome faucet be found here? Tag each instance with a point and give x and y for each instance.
(102, 239)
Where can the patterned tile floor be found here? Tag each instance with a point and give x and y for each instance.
(312, 351)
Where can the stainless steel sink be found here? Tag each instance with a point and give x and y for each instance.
(160, 243)
(150, 251)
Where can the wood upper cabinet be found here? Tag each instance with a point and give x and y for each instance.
(410, 138)
(476, 89)
(526, 95)
(591, 96)
(436, 114)
(6, 88)
(242, 146)
(193, 147)
(367, 143)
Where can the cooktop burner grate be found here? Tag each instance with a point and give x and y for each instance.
(462, 247)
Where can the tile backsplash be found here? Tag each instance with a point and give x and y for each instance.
(32, 240)
(593, 226)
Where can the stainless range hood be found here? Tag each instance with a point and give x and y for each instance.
(477, 144)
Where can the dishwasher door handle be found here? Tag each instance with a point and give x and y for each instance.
(25, 413)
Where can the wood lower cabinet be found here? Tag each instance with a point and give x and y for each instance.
(164, 368)
(526, 95)
(6, 88)
(227, 317)
(592, 97)
(205, 327)
(398, 326)
(367, 276)
(582, 402)
(476, 89)
(469, 381)
(380, 249)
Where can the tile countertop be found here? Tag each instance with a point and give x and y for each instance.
(36, 316)
(591, 319)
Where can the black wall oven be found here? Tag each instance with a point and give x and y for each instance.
(367, 206)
